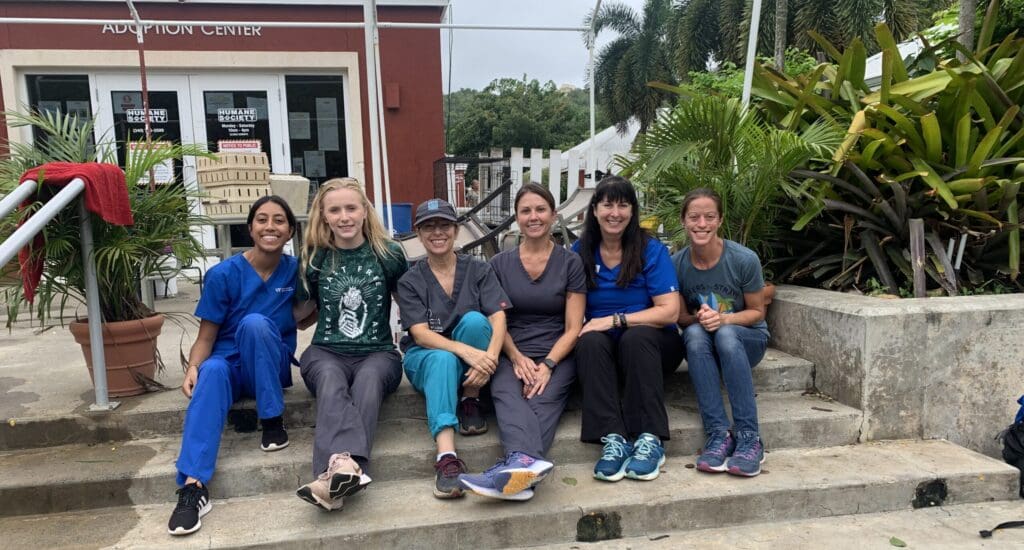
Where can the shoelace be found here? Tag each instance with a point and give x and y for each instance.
(747, 449)
(501, 463)
(522, 458)
(644, 448)
(613, 449)
(451, 466)
(718, 444)
(188, 496)
(335, 459)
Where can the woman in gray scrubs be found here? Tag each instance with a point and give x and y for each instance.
(547, 285)
(453, 308)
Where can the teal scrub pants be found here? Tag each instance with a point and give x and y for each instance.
(438, 374)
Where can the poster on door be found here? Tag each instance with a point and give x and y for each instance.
(162, 172)
(237, 122)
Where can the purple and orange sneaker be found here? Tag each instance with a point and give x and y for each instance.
(747, 459)
(718, 448)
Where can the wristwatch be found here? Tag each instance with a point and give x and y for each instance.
(550, 363)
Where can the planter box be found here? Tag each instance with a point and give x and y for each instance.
(948, 368)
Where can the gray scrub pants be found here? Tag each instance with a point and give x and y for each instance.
(349, 390)
(528, 425)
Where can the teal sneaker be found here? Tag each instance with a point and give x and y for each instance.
(612, 465)
(747, 459)
(647, 460)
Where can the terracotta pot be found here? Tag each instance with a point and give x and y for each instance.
(130, 351)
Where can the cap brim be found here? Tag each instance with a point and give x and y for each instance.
(435, 215)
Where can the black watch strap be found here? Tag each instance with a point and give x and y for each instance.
(550, 362)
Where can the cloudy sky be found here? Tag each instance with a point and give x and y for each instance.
(478, 57)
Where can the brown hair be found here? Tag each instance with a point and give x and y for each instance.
(700, 193)
(536, 189)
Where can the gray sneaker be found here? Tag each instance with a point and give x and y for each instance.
(446, 482)
(343, 478)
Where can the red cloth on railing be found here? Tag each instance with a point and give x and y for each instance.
(106, 194)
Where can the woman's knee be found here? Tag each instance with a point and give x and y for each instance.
(591, 342)
(254, 324)
(213, 370)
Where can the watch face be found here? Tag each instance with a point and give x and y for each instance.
(550, 363)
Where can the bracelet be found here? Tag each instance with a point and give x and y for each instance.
(615, 320)
(622, 321)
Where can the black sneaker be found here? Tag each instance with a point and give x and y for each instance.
(275, 437)
(471, 417)
(193, 503)
(446, 482)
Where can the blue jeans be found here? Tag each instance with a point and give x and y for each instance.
(437, 373)
(735, 350)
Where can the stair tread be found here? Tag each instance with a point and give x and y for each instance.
(155, 457)
(798, 483)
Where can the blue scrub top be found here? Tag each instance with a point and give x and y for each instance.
(233, 290)
(657, 277)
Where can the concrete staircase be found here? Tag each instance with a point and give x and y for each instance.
(87, 481)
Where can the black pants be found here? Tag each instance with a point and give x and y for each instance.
(623, 381)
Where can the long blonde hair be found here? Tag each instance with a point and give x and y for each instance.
(318, 236)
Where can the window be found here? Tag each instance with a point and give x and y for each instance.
(316, 127)
(59, 93)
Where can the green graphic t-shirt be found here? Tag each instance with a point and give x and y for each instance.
(353, 289)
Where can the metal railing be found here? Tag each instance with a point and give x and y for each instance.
(24, 234)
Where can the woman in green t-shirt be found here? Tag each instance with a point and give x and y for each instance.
(351, 268)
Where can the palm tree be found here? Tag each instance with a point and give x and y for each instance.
(638, 56)
(712, 141)
(781, 21)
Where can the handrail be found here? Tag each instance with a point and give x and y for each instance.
(24, 234)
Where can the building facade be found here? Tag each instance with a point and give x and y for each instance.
(216, 76)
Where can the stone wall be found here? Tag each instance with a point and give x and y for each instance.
(948, 368)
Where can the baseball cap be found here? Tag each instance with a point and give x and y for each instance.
(434, 208)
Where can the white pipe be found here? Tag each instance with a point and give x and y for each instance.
(388, 214)
(24, 234)
(281, 24)
(748, 72)
(369, 24)
(591, 163)
(20, 194)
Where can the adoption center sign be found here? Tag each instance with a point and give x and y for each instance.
(188, 30)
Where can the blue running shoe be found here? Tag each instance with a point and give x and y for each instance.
(747, 459)
(717, 449)
(612, 465)
(647, 460)
(483, 480)
(521, 471)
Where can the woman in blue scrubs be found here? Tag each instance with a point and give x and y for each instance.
(244, 348)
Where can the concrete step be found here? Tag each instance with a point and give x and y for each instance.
(79, 476)
(937, 527)
(161, 414)
(798, 484)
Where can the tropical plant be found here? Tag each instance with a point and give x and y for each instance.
(163, 222)
(639, 55)
(711, 141)
(945, 147)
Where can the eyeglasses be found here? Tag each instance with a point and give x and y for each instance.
(710, 217)
(432, 227)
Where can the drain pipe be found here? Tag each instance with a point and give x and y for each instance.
(369, 24)
(386, 183)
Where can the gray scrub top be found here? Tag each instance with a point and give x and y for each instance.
(422, 300)
(537, 320)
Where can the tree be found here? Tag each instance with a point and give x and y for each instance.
(516, 113)
(639, 55)
(966, 24)
(781, 21)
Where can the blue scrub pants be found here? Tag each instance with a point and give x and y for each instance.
(256, 373)
(437, 374)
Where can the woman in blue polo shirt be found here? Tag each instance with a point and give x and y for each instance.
(630, 337)
(244, 348)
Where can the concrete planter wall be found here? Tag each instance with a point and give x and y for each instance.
(948, 368)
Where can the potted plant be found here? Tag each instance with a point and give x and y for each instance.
(123, 255)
